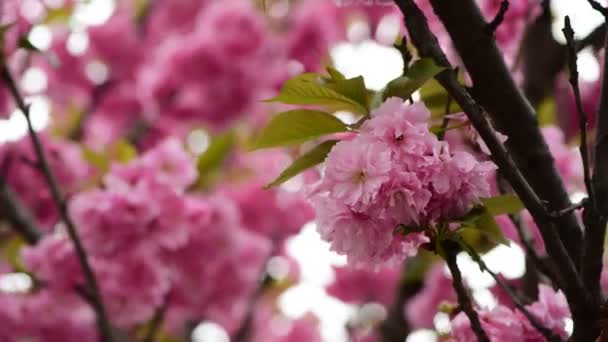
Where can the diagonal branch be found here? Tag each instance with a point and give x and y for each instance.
(595, 221)
(428, 46)
(464, 299)
(546, 332)
(18, 215)
(496, 91)
(582, 116)
(103, 323)
(498, 19)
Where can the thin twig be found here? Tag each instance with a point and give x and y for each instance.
(156, 323)
(17, 214)
(570, 209)
(582, 116)
(103, 323)
(464, 299)
(498, 19)
(547, 333)
(598, 7)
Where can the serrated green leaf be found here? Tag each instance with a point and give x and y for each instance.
(216, 153)
(335, 74)
(505, 204)
(307, 160)
(296, 126)
(309, 89)
(353, 88)
(417, 75)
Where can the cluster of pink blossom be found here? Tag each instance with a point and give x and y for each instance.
(422, 308)
(152, 245)
(40, 317)
(504, 324)
(361, 285)
(395, 172)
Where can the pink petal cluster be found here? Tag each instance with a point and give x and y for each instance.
(394, 172)
(360, 285)
(45, 316)
(150, 244)
(212, 74)
(503, 324)
(25, 178)
(270, 325)
(420, 311)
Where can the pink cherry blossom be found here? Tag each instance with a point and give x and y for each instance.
(420, 311)
(359, 286)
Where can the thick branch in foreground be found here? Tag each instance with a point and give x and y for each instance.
(595, 232)
(103, 323)
(428, 46)
(464, 299)
(496, 91)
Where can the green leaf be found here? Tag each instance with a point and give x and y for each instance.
(505, 204)
(353, 88)
(216, 153)
(335, 74)
(418, 74)
(435, 97)
(121, 151)
(309, 159)
(481, 219)
(309, 89)
(296, 126)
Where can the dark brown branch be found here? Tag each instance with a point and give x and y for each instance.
(596, 6)
(595, 220)
(18, 215)
(547, 333)
(543, 170)
(582, 116)
(103, 323)
(496, 91)
(594, 39)
(498, 19)
(464, 299)
(570, 209)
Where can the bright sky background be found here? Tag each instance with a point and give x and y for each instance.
(362, 56)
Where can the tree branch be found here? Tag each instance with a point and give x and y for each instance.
(103, 323)
(464, 300)
(18, 215)
(498, 19)
(596, 218)
(428, 46)
(547, 333)
(582, 116)
(495, 90)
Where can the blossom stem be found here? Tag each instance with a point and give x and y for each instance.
(96, 301)
(464, 299)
